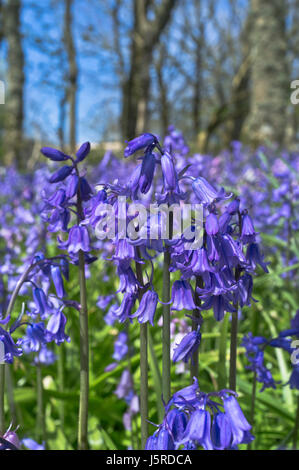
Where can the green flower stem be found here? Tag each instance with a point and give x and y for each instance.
(61, 374)
(233, 350)
(84, 359)
(234, 336)
(2, 391)
(143, 365)
(222, 370)
(252, 408)
(194, 368)
(84, 344)
(40, 418)
(296, 427)
(166, 361)
(10, 396)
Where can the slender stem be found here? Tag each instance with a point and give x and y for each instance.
(233, 350)
(296, 427)
(234, 334)
(166, 362)
(194, 369)
(144, 383)
(61, 373)
(10, 396)
(155, 370)
(2, 391)
(252, 409)
(84, 359)
(40, 419)
(222, 370)
(84, 341)
(143, 365)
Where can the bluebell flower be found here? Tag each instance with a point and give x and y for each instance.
(123, 312)
(198, 429)
(120, 346)
(188, 346)
(61, 174)
(35, 337)
(239, 424)
(31, 444)
(140, 142)
(54, 155)
(58, 281)
(221, 431)
(147, 172)
(10, 348)
(254, 257)
(182, 297)
(78, 240)
(55, 328)
(206, 193)
(83, 152)
(212, 225)
(147, 307)
(170, 178)
(248, 233)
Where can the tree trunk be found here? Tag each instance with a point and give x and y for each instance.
(72, 74)
(136, 89)
(269, 72)
(14, 107)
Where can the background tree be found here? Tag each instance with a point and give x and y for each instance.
(14, 107)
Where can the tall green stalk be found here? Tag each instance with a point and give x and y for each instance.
(222, 369)
(143, 365)
(84, 359)
(40, 418)
(61, 373)
(296, 427)
(84, 345)
(2, 392)
(166, 362)
(233, 350)
(194, 367)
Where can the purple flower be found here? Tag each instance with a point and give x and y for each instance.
(78, 240)
(140, 142)
(32, 445)
(206, 193)
(61, 174)
(221, 431)
(212, 225)
(43, 307)
(147, 172)
(254, 257)
(56, 326)
(199, 429)
(123, 312)
(120, 347)
(238, 422)
(83, 152)
(147, 308)
(58, 281)
(187, 347)
(170, 177)
(248, 233)
(35, 337)
(10, 349)
(55, 155)
(182, 297)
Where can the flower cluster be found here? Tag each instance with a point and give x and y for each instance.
(195, 419)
